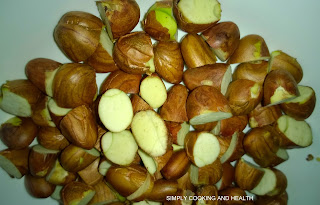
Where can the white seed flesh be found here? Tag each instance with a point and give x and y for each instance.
(305, 95)
(231, 148)
(115, 110)
(9, 167)
(153, 91)
(206, 149)
(299, 132)
(185, 127)
(148, 162)
(150, 132)
(120, 147)
(15, 104)
(267, 183)
(209, 117)
(200, 12)
(227, 77)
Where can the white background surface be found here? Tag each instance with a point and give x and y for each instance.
(289, 25)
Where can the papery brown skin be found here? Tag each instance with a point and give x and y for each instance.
(287, 62)
(224, 37)
(232, 192)
(41, 114)
(56, 117)
(74, 85)
(161, 189)
(189, 144)
(206, 98)
(25, 89)
(101, 132)
(75, 159)
(281, 199)
(240, 98)
(228, 175)
(300, 111)
(285, 142)
(174, 108)
(126, 180)
(80, 128)
(137, 160)
(177, 165)
(59, 176)
(262, 116)
(19, 158)
(77, 34)
(273, 161)
(210, 174)
(251, 48)
(103, 194)
(233, 124)
(90, 175)
(138, 104)
(132, 51)
(275, 79)
(51, 138)
(95, 108)
(195, 51)
(36, 70)
(211, 75)
(128, 83)
(102, 61)
(224, 143)
(173, 129)
(122, 15)
(168, 61)
(262, 143)
(208, 190)
(161, 162)
(184, 24)
(281, 183)
(184, 183)
(41, 163)
(205, 127)
(154, 28)
(251, 71)
(238, 151)
(247, 176)
(38, 187)
(18, 136)
(144, 193)
(75, 191)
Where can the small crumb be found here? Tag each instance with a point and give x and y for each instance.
(310, 157)
(318, 159)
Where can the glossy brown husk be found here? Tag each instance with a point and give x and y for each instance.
(18, 136)
(132, 51)
(174, 108)
(195, 51)
(168, 61)
(77, 34)
(128, 83)
(211, 74)
(80, 128)
(74, 85)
